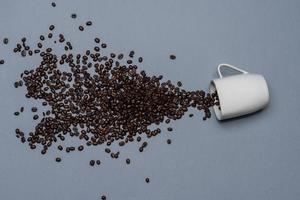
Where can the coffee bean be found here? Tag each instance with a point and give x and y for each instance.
(34, 109)
(88, 23)
(128, 161)
(97, 40)
(103, 197)
(51, 27)
(140, 59)
(80, 148)
(73, 15)
(170, 129)
(147, 180)
(23, 53)
(103, 45)
(98, 162)
(92, 162)
(16, 113)
(60, 147)
(2, 62)
(169, 141)
(58, 159)
(35, 117)
(53, 4)
(172, 57)
(81, 28)
(5, 41)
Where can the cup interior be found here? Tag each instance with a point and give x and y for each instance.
(217, 109)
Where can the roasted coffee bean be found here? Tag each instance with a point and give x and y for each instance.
(128, 161)
(88, 23)
(59, 147)
(147, 180)
(51, 27)
(58, 159)
(92, 162)
(16, 113)
(97, 40)
(169, 141)
(35, 117)
(34, 109)
(2, 62)
(98, 162)
(80, 148)
(73, 15)
(81, 28)
(53, 4)
(5, 41)
(172, 57)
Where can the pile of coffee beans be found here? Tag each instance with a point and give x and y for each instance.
(99, 97)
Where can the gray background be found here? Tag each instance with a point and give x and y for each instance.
(256, 157)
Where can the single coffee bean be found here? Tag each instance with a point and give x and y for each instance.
(81, 28)
(128, 161)
(172, 57)
(35, 117)
(80, 148)
(51, 27)
(2, 62)
(98, 162)
(147, 180)
(88, 23)
(60, 147)
(169, 141)
(58, 159)
(92, 162)
(73, 15)
(53, 4)
(5, 41)
(16, 113)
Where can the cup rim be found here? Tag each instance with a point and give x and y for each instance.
(217, 109)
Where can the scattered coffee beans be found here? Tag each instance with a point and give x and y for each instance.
(98, 99)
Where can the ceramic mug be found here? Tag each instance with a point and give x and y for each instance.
(239, 94)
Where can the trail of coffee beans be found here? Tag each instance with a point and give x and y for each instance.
(99, 98)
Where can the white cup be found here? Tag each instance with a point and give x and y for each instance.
(239, 94)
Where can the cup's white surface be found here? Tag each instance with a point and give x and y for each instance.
(240, 94)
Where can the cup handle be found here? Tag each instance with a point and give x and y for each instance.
(231, 67)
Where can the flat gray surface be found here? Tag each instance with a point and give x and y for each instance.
(257, 157)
